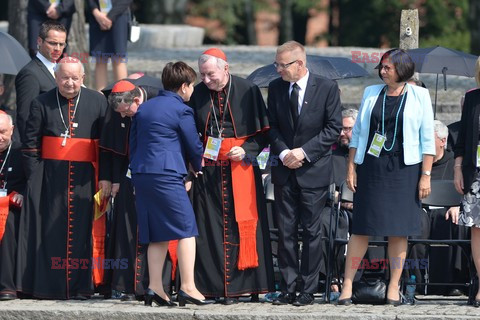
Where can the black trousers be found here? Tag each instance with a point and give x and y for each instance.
(296, 205)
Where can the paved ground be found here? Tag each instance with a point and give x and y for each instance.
(115, 309)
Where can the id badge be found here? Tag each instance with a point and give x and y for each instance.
(377, 144)
(3, 193)
(262, 158)
(105, 5)
(129, 174)
(478, 156)
(212, 148)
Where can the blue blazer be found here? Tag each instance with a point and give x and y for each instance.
(164, 137)
(418, 126)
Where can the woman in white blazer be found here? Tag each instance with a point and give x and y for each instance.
(390, 160)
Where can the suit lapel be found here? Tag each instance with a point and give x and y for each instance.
(45, 71)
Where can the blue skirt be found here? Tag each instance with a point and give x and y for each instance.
(164, 211)
(386, 201)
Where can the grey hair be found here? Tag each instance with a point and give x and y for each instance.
(350, 113)
(10, 119)
(114, 99)
(68, 60)
(441, 130)
(205, 57)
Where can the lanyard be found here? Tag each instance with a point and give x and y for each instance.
(220, 129)
(3, 165)
(396, 117)
(67, 128)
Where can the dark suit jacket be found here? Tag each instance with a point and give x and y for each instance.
(164, 137)
(468, 137)
(318, 127)
(30, 82)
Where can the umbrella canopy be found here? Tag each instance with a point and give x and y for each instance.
(439, 60)
(143, 81)
(13, 55)
(333, 68)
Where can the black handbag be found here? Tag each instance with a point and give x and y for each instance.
(369, 291)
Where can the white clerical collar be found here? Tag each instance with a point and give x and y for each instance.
(49, 64)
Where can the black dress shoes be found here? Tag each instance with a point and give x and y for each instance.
(476, 303)
(127, 297)
(229, 301)
(304, 299)
(151, 296)
(284, 298)
(345, 302)
(7, 296)
(184, 298)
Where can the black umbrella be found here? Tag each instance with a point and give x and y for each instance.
(143, 81)
(333, 68)
(440, 60)
(13, 56)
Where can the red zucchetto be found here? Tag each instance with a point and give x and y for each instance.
(123, 86)
(216, 53)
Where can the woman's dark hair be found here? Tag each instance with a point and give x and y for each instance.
(404, 65)
(176, 74)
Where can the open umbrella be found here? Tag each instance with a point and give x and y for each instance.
(333, 68)
(440, 60)
(12, 55)
(143, 81)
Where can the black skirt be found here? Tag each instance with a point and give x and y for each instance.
(111, 43)
(386, 201)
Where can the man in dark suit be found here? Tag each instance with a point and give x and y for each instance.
(37, 76)
(305, 120)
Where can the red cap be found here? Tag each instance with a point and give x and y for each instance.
(216, 53)
(123, 86)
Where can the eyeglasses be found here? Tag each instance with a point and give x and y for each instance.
(385, 67)
(347, 129)
(283, 66)
(56, 44)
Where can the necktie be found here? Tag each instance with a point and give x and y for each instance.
(294, 102)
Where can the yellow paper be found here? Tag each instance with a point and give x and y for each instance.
(98, 202)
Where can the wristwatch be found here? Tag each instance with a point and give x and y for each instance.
(427, 173)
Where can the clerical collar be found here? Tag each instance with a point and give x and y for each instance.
(49, 64)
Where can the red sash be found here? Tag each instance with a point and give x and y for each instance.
(245, 203)
(81, 150)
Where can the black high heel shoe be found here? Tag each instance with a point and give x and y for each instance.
(183, 298)
(151, 296)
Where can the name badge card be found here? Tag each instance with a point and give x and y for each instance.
(213, 148)
(128, 174)
(377, 144)
(478, 156)
(3, 193)
(105, 5)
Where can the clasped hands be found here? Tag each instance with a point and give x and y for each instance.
(102, 19)
(294, 159)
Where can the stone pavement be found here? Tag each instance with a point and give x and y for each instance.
(115, 309)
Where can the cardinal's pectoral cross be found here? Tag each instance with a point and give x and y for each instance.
(65, 136)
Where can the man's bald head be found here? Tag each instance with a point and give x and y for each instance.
(6, 130)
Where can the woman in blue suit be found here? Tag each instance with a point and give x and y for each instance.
(163, 139)
(390, 159)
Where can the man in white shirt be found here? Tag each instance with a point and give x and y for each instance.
(37, 76)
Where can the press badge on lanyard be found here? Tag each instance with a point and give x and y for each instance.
(478, 156)
(377, 145)
(212, 149)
